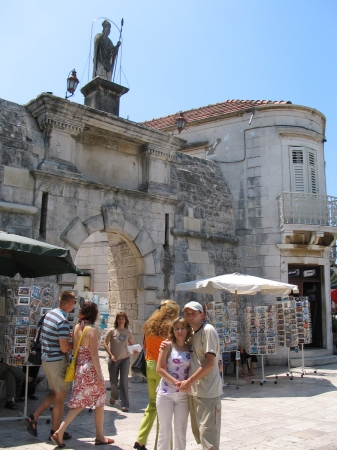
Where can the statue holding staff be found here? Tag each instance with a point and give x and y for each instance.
(105, 53)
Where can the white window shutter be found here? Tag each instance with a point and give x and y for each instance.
(298, 169)
(312, 172)
(303, 170)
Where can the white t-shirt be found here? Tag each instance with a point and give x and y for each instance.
(206, 340)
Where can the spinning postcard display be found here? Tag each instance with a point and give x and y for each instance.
(293, 321)
(223, 316)
(24, 308)
(261, 330)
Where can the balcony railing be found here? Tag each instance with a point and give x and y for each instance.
(308, 209)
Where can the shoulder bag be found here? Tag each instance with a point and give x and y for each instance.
(139, 366)
(35, 351)
(71, 369)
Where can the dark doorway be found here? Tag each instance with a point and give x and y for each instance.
(308, 279)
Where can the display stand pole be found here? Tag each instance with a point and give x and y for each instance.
(289, 368)
(302, 358)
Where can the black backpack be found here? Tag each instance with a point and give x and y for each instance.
(34, 356)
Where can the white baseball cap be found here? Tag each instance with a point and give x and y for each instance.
(193, 305)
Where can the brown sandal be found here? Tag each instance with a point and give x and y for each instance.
(31, 425)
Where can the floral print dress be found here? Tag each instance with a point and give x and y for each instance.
(86, 391)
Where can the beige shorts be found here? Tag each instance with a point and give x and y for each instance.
(55, 372)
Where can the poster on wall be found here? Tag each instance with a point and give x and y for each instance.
(103, 320)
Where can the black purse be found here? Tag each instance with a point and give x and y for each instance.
(139, 366)
(35, 351)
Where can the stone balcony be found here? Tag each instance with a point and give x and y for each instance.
(308, 220)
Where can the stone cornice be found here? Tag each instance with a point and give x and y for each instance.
(157, 152)
(55, 178)
(49, 120)
(300, 132)
(60, 111)
(18, 208)
(209, 236)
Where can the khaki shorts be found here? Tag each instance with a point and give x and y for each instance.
(55, 372)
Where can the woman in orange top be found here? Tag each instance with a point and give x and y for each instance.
(155, 331)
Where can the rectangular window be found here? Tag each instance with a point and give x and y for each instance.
(303, 170)
(43, 219)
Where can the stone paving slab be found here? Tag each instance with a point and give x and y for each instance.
(292, 414)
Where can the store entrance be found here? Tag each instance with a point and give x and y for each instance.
(308, 279)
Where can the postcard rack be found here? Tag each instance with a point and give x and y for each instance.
(24, 308)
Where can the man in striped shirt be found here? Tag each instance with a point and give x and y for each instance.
(55, 346)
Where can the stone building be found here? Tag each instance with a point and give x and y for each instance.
(271, 154)
(137, 215)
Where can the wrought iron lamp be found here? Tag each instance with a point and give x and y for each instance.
(72, 83)
(181, 122)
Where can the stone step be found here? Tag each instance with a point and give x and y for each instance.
(313, 360)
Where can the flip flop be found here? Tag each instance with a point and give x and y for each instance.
(31, 425)
(109, 441)
(55, 439)
(33, 397)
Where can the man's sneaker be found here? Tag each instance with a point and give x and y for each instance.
(66, 435)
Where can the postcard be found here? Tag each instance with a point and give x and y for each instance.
(22, 331)
(20, 350)
(32, 331)
(20, 340)
(24, 291)
(209, 306)
(45, 310)
(23, 301)
(47, 301)
(35, 292)
(35, 304)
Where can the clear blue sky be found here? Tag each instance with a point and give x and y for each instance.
(179, 55)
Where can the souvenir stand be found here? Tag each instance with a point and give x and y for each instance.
(261, 340)
(237, 283)
(24, 306)
(223, 316)
(293, 324)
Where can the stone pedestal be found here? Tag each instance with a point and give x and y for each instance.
(103, 95)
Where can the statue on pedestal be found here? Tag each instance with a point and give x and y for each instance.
(105, 53)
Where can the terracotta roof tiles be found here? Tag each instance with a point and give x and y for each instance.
(205, 112)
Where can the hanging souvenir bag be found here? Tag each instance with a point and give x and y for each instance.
(71, 369)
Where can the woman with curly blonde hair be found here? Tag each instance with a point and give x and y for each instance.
(155, 332)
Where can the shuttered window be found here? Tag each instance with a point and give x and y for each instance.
(303, 170)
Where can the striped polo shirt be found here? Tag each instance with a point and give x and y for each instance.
(55, 326)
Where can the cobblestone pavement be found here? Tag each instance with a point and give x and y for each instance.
(292, 414)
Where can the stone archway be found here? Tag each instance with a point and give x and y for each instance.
(131, 271)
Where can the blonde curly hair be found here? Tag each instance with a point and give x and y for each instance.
(160, 320)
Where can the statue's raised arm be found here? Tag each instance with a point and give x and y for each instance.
(105, 53)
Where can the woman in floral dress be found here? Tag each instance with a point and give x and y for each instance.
(89, 386)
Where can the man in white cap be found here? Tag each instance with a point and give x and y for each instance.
(204, 383)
